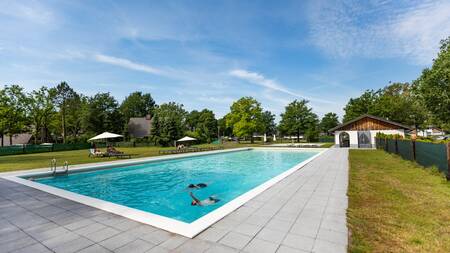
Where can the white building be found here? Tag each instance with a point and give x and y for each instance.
(361, 132)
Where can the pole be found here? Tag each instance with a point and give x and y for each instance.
(448, 161)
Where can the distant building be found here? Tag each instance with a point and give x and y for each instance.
(430, 132)
(17, 139)
(360, 132)
(140, 127)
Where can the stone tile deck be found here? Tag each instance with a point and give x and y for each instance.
(306, 212)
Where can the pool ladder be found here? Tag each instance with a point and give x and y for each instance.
(55, 172)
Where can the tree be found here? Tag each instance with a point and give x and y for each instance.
(192, 120)
(245, 117)
(223, 129)
(42, 112)
(137, 105)
(13, 111)
(298, 118)
(207, 126)
(64, 93)
(329, 121)
(268, 122)
(360, 105)
(103, 114)
(168, 123)
(395, 102)
(433, 86)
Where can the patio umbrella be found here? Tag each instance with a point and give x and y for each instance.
(186, 138)
(105, 136)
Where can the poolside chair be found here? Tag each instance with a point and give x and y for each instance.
(93, 153)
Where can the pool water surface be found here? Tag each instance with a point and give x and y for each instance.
(160, 187)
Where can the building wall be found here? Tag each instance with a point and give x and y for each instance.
(366, 124)
(354, 136)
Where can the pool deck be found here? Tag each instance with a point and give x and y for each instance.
(305, 212)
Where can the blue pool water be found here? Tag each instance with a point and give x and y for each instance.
(161, 187)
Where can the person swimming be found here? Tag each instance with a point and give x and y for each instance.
(197, 186)
(206, 202)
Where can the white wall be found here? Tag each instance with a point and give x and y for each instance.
(354, 136)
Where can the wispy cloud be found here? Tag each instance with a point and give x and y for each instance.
(261, 80)
(125, 63)
(32, 11)
(409, 29)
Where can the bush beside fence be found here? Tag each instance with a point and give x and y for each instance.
(424, 153)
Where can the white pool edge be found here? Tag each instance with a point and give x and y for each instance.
(186, 229)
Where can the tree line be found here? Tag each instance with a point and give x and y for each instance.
(60, 114)
(421, 103)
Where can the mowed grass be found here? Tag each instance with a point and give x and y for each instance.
(396, 205)
(42, 160)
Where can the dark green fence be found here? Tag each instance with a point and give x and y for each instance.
(28, 149)
(424, 153)
(326, 138)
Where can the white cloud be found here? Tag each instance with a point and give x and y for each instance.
(270, 84)
(125, 63)
(374, 29)
(32, 11)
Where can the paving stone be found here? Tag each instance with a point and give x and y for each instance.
(94, 249)
(94, 227)
(299, 242)
(321, 246)
(193, 246)
(117, 241)
(213, 234)
(158, 249)
(34, 248)
(173, 242)
(73, 246)
(279, 225)
(333, 236)
(156, 237)
(60, 240)
(285, 249)
(79, 224)
(235, 240)
(261, 246)
(221, 249)
(270, 235)
(102, 234)
(126, 225)
(136, 246)
(17, 244)
(248, 229)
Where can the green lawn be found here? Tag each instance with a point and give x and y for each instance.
(396, 206)
(41, 160)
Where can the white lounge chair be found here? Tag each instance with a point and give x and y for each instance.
(94, 153)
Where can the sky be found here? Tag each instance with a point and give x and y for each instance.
(207, 54)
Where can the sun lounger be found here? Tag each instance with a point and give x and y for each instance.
(94, 153)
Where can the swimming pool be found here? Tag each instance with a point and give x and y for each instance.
(160, 187)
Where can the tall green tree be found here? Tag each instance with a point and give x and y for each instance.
(433, 87)
(169, 123)
(13, 111)
(64, 93)
(328, 121)
(103, 114)
(360, 105)
(395, 102)
(298, 118)
(223, 129)
(268, 122)
(207, 126)
(42, 112)
(192, 120)
(245, 117)
(137, 104)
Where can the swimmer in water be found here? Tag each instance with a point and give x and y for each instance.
(197, 186)
(206, 202)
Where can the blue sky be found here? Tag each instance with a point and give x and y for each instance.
(206, 54)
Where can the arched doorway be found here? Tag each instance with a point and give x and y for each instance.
(344, 140)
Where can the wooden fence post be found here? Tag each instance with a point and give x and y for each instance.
(385, 144)
(396, 145)
(448, 161)
(414, 149)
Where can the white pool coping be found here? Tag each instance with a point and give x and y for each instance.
(186, 229)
